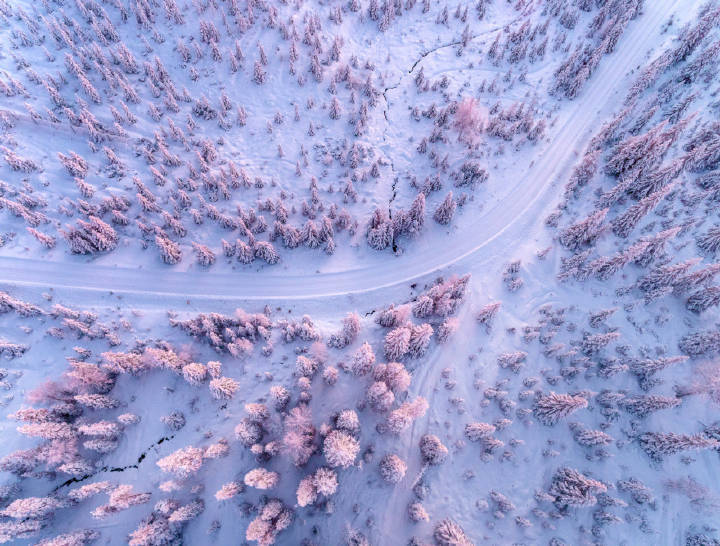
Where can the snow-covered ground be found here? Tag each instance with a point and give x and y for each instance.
(266, 180)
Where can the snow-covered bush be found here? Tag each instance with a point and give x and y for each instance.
(449, 533)
(261, 478)
(340, 449)
(432, 450)
(392, 468)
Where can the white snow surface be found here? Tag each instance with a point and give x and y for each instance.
(132, 291)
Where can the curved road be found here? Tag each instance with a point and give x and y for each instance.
(509, 221)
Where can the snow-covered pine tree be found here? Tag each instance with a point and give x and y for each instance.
(584, 232)
(445, 211)
(550, 408)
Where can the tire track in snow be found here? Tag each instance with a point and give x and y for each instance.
(424, 377)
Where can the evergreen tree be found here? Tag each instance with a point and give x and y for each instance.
(446, 210)
(583, 232)
(550, 408)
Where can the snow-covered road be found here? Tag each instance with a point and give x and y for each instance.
(488, 238)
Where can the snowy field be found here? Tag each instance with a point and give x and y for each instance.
(363, 272)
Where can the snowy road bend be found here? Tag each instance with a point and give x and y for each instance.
(534, 195)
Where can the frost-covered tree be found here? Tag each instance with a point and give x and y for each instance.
(183, 462)
(259, 74)
(423, 307)
(380, 397)
(588, 437)
(266, 252)
(626, 222)
(217, 450)
(340, 449)
(260, 478)
(550, 408)
(594, 343)
(710, 241)
(392, 468)
(48, 241)
(417, 512)
(513, 361)
(584, 232)
(32, 507)
(486, 314)
(468, 120)
(693, 280)
(583, 172)
(571, 488)
(446, 329)
(638, 152)
(306, 493)
(393, 316)
(471, 173)
(402, 417)
(700, 343)
(223, 388)
(273, 517)
(169, 250)
(397, 342)
(229, 490)
(90, 237)
(665, 276)
(280, 396)
(306, 367)
(445, 211)
(704, 299)
(248, 432)
(449, 533)
(597, 318)
(639, 492)
(120, 498)
(657, 444)
(363, 360)
(330, 375)
(73, 538)
(298, 440)
(394, 375)
(420, 336)
(645, 369)
(477, 432)
(432, 450)
(349, 332)
(656, 246)
(642, 406)
(204, 255)
(195, 373)
(348, 421)
(335, 108)
(326, 481)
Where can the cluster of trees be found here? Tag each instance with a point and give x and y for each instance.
(87, 388)
(636, 159)
(109, 71)
(385, 227)
(234, 335)
(604, 31)
(73, 439)
(517, 119)
(571, 488)
(136, 84)
(438, 303)
(551, 408)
